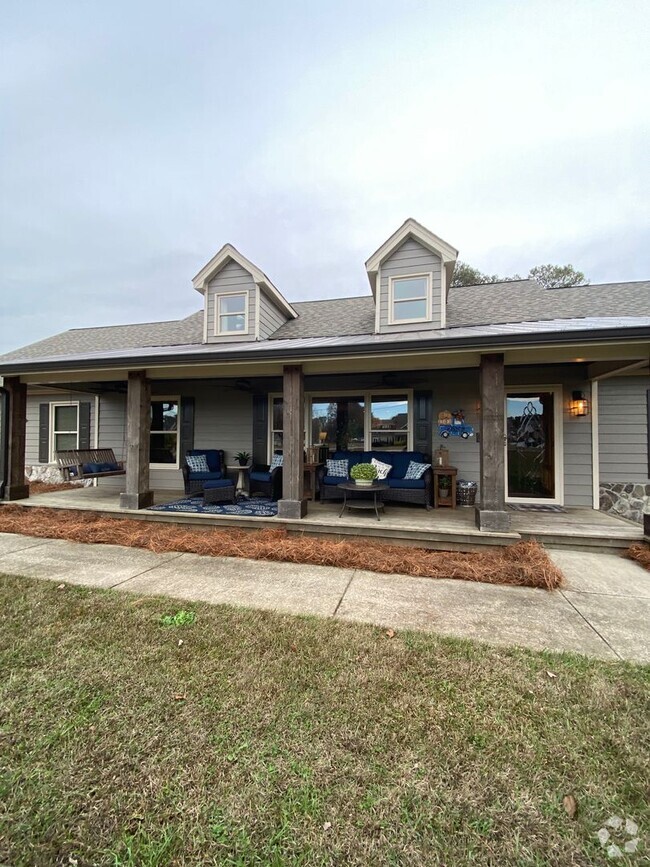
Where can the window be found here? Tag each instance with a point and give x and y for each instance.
(342, 422)
(232, 313)
(163, 439)
(389, 423)
(64, 426)
(338, 422)
(409, 299)
(277, 425)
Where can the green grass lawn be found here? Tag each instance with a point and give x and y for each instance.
(247, 738)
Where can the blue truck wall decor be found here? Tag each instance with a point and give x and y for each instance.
(452, 424)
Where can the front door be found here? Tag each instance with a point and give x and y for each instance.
(533, 450)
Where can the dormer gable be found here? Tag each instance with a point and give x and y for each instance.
(409, 278)
(240, 302)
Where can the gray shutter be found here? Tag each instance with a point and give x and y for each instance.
(422, 412)
(84, 425)
(260, 428)
(187, 426)
(44, 433)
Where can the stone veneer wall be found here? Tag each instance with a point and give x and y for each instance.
(625, 500)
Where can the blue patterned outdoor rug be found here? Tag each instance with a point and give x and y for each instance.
(257, 507)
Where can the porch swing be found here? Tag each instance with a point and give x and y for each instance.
(80, 464)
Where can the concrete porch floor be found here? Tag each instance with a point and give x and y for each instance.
(446, 529)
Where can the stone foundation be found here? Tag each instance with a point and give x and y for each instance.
(50, 475)
(625, 500)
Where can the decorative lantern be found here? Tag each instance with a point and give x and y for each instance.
(579, 405)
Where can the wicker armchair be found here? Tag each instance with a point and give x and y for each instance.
(193, 480)
(265, 481)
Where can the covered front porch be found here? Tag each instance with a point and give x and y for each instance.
(577, 528)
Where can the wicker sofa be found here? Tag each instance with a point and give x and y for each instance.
(400, 490)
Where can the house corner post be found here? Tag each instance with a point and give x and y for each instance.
(293, 504)
(491, 514)
(15, 485)
(138, 426)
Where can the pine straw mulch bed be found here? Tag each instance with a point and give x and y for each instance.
(640, 553)
(49, 488)
(525, 564)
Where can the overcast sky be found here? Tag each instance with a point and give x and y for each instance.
(137, 137)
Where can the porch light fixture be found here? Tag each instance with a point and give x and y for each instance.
(579, 405)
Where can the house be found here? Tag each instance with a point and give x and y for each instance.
(553, 384)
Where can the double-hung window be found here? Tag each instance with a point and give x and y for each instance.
(231, 313)
(163, 437)
(64, 427)
(410, 299)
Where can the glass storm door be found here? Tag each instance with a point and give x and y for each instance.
(531, 460)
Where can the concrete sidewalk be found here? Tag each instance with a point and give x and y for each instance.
(604, 612)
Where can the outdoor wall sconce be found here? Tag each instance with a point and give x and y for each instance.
(579, 405)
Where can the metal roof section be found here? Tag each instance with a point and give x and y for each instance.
(595, 329)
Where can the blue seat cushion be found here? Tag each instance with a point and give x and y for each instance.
(405, 483)
(93, 468)
(109, 467)
(211, 455)
(334, 480)
(203, 477)
(260, 476)
(218, 483)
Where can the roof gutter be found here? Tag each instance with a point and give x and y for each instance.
(488, 342)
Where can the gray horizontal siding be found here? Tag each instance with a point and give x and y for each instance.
(231, 278)
(31, 430)
(623, 429)
(270, 317)
(222, 420)
(451, 391)
(410, 258)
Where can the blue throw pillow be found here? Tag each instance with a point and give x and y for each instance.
(337, 468)
(197, 463)
(416, 470)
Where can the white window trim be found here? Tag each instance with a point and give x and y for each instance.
(161, 398)
(366, 394)
(217, 318)
(391, 298)
(52, 449)
(558, 433)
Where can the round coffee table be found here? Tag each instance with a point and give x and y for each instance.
(373, 491)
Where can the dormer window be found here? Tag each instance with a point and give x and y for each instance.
(232, 313)
(410, 299)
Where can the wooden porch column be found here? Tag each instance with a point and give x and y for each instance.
(138, 426)
(491, 514)
(15, 487)
(293, 504)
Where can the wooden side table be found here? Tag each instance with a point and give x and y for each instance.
(449, 501)
(311, 473)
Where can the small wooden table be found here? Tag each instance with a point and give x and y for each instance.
(449, 501)
(375, 490)
(241, 488)
(311, 474)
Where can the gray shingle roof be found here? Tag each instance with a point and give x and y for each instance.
(522, 301)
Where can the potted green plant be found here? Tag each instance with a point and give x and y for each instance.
(363, 474)
(242, 458)
(444, 487)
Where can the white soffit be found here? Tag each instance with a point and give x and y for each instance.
(228, 253)
(412, 229)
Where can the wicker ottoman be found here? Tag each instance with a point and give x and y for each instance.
(218, 491)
